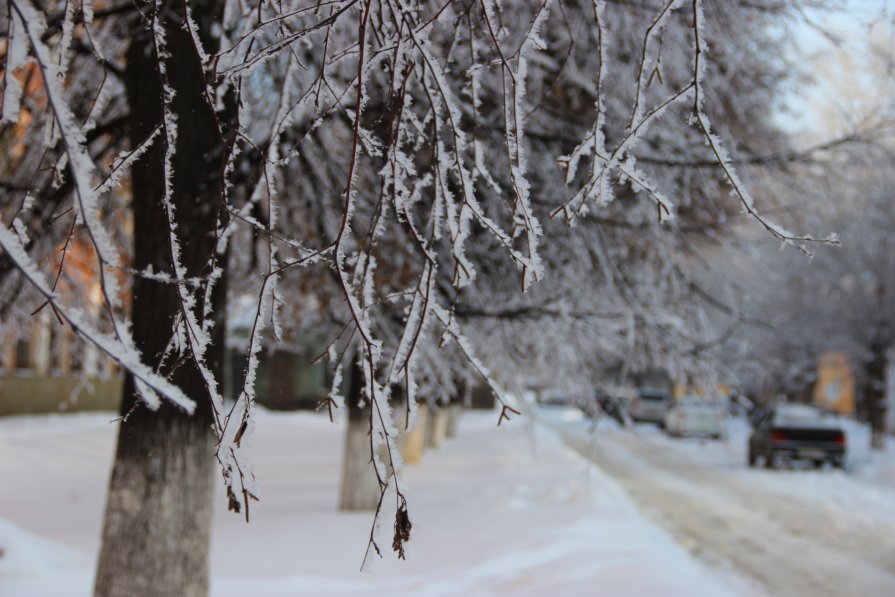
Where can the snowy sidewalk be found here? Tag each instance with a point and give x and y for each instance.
(497, 511)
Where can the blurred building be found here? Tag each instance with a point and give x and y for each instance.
(835, 385)
(45, 368)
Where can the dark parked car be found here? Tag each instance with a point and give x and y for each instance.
(789, 432)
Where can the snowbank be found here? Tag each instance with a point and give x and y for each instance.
(30, 565)
(498, 511)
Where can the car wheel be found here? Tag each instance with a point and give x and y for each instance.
(772, 461)
(819, 463)
(752, 458)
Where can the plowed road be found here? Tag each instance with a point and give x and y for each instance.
(794, 532)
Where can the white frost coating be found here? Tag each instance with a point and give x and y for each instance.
(452, 329)
(87, 9)
(383, 433)
(82, 166)
(20, 229)
(414, 326)
(366, 268)
(16, 57)
(120, 350)
(233, 432)
(239, 424)
(223, 234)
(68, 30)
(149, 396)
(105, 93)
(642, 182)
(150, 274)
(233, 454)
(335, 396)
(235, 64)
(18, 224)
(514, 118)
(715, 143)
(121, 164)
(194, 34)
(103, 98)
(448, 116)
(360, 319)
(599, 132)
(198, 335)
(475, 87)
(646, 59)
(27, 203)
(620, 161)
(598, 187)
(262, 315)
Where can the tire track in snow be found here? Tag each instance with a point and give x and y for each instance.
(790, 544)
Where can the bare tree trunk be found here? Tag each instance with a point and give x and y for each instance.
(9, 351)
(413, 440)
(360, 488)
(875, 394)
(281, 389)
(437, 428)
(157, 526)
(454, 411)
(877, 424)
(40, 344)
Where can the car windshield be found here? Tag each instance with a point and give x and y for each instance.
(798, 413)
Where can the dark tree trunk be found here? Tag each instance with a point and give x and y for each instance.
(282, 391)
(157, 525)
(875, 394)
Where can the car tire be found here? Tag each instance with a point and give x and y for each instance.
(752, 459)
(772, 461)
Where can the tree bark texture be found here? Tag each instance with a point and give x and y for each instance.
(157, 526)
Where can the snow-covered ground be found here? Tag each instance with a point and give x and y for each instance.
(497, 511)
(782, 532)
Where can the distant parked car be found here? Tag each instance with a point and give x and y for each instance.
(650, 405)
(554, 397)
(789, 432)
(697, 417)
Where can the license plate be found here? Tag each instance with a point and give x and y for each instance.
(812, 454)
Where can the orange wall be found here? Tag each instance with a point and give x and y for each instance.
(835, 386)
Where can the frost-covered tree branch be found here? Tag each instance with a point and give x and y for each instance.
(382, 171)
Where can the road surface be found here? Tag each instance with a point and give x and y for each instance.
(793, 532)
